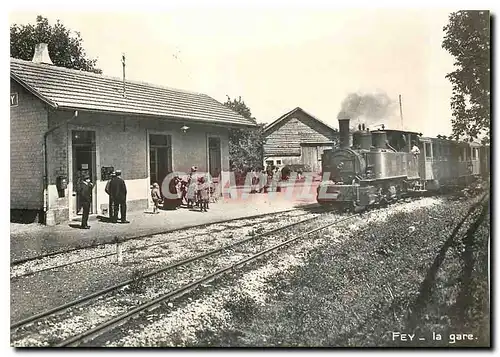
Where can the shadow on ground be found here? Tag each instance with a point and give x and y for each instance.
(313, 208)
(104, 219)
(75, 225)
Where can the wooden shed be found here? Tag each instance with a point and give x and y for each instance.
(297, 137)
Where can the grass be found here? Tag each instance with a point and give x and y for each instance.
(357, 293)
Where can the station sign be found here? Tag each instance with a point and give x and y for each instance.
(14, 99)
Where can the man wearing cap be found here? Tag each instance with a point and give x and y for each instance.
(111, 203)
(85, 199)
(118, 190)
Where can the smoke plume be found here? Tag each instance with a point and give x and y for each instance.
(370, 106)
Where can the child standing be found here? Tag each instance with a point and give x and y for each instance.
(156, 196)
(204, 193)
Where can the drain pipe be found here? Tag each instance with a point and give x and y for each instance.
(46, 173)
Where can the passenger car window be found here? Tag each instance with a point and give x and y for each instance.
(427, 149)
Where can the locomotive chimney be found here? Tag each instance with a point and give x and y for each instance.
(42, 54)
(344, 132)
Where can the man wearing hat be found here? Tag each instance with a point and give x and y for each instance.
(85, 199)
(118, 190)
(107, 189)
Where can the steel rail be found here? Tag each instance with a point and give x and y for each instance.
(128, 250)
(123, 318)
(118, 320)
(201, 225)
(154, 272)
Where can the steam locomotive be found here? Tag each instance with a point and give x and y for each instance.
(380, 166)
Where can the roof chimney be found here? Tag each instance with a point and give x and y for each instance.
(42, 54)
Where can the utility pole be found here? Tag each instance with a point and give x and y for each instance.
(401, 111)
(123, 63)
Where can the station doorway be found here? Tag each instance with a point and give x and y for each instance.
(214, 157)
(84, 163)
(160, 158)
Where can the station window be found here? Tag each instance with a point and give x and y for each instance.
(269, 162)
(427, 149)
(278, 162)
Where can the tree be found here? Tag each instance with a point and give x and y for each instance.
(246, 146)
(65, 49)
(467, 38)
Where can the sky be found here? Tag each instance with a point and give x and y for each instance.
(279, 58)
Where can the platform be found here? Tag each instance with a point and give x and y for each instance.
(30, 240)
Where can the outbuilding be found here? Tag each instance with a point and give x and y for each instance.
(298, 138)
(66, 123)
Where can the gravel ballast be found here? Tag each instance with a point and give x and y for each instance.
(44, 290)
(348, 286)
(362, 283)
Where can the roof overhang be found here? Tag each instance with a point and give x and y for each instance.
(322, 143)
(33, 90)
(283, 154)
(164, 117)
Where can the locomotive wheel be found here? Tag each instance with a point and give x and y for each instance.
(384, 202)
(355, 207)
(399, 193)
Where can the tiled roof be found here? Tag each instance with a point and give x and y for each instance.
(73, 89)
(289, 114)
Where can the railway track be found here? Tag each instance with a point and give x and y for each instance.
(85, 255)
(84, 319)
(18, 262)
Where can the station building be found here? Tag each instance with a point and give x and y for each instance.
(67, 123)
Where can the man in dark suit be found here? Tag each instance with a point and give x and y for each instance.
(118, 191)
(85, 199)
(111, 203)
